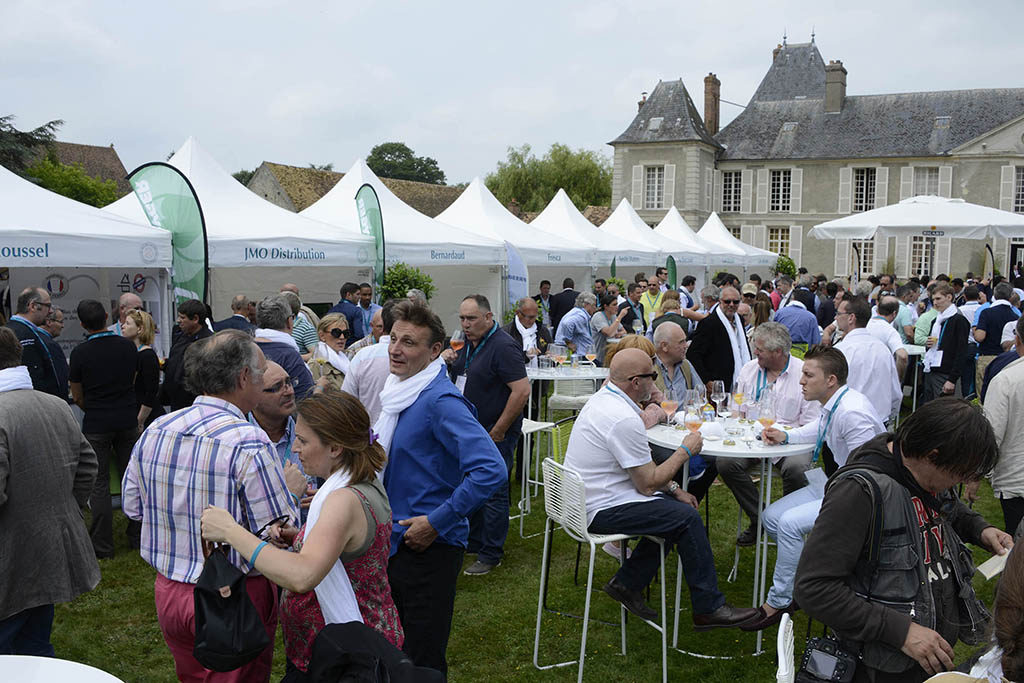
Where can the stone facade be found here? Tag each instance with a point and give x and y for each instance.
(803, 152)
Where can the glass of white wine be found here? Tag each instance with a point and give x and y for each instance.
(719, 396)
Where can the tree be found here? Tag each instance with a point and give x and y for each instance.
(72, 181)
(585, 175)
(395, 160)
(399, 278)
(243, 176)
(19, 148)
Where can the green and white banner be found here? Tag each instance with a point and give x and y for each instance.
(371, 223)
(170, 203)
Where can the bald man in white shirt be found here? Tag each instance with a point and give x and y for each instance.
(881, 327)
(872, 367)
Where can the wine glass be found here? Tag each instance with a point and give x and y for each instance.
(766, 412)
(692, 419)
(591, 353)
(738, 394)
(702, 395)
(691, 399)
(719, 395)
(458, 340)
(669, 403)
(638, 326)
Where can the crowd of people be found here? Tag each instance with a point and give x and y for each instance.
(350, 461)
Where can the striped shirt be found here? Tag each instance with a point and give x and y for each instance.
(206, 454)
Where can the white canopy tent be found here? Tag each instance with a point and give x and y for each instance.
(561, 218)
(79, 252)
(547, 257)
(714, 232)
(932, 216)
(256, 246)
(459, 262)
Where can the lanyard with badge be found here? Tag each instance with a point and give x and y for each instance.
(651, 304)
(460, 381)
(762, 380)
(823, 432)
(105, 333)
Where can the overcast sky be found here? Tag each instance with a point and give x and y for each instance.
(321, 82)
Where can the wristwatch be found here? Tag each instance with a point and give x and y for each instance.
(673, 486)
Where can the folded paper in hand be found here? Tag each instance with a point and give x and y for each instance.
(993, 565)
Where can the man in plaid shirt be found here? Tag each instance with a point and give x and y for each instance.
(207, 454)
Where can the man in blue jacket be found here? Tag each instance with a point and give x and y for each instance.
(348, 306)
(442, 466)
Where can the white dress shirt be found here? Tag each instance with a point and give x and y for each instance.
(883, 331)
(853, 423)
(872, 371)
(1004, 403)
(607, 439)
(791, 409)
(367, 372)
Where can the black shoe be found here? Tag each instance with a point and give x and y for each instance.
(747, 537)
(764, 621)
(726, 616)
(631, 600)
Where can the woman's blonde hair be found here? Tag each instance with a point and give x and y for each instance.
(339, 419)
(147, 328)
(330, 320)
(630, 341)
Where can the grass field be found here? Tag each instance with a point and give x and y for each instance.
(114, 627)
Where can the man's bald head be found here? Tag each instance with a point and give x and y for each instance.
(127, 302)
(627, 363)
(289, 287)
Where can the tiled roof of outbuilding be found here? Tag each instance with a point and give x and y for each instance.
(668, 115)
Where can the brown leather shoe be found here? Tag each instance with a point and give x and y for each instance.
(764, 621)
(725, 616)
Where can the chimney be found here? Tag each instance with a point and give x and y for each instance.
(776, 51)
(835, 86)
(712, 96)
(643, 100)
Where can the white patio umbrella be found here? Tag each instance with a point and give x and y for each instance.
(926, 215)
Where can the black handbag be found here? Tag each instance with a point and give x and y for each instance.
(229, 630)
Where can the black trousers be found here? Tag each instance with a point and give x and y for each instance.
(111, 448)
(1013, 512)
(423, 588)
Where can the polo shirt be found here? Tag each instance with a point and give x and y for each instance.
(493, 363)
(904, 317)
(105, 364)
(575, 327)
(991, 321)
(304, 334)
(442, 464)
(607, 439)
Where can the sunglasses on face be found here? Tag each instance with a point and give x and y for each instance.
(649, 375)
(337, 332)
(733, 302)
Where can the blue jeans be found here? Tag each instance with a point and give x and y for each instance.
(680, 525)
(488, 526)
(28, 632)
(788, 520)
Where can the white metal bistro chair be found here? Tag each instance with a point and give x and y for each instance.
(531, 427)
(570, 394)
(565, 505)
(786, 672)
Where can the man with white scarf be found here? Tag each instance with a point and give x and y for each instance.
(946, 344)
(442, 466)
(274, 337)
(719, 348)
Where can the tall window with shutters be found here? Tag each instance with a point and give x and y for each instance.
(864, 189)
(926, 180)
(778, 240)
(732, 184)
(654, 187)
(780, 190)
(922, 251)
(1018, 190)
(866, 265)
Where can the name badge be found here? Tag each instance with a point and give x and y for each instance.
(460, 384)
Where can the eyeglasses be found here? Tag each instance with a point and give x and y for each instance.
(726, 302)
(649, 375)
(337, 332)
(40, 304)
(264, 532)
(278, 387)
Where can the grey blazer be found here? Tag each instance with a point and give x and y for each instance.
(47, 469)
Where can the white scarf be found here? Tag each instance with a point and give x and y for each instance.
(15, 378)
(334, 593)
(933, 356)
(339, 360)
(277, 336)
(740, 352)
(989, 666)
(529, 334)
(397, 395)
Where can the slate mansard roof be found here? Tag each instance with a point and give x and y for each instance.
(668, 115)
(786, 117)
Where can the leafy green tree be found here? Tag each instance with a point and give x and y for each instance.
(395, 160)
(243, 176)
(19, 148)
(72, 181)
(585, 175)
(399, 278)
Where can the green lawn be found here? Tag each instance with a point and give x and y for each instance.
(114, 627)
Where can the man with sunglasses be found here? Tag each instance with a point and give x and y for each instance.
(903, 610)
(32, 307)
(719, 348)
(628, 493)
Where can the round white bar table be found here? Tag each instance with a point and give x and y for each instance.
(48, 669)
(671, 437)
